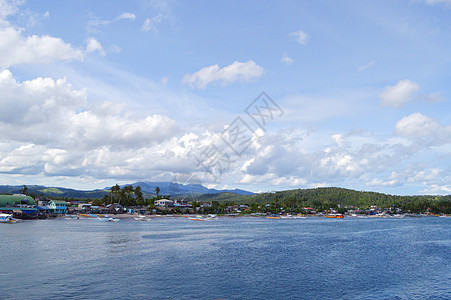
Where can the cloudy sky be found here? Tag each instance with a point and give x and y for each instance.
(356, 94)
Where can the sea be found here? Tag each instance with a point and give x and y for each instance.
(229, 258)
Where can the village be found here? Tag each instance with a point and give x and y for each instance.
(24, 207)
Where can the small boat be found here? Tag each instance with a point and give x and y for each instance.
(197, 218)
(7, 218)
(141, 218)
(74, 217)
(108, 219)
(273, 216)
(334, 216)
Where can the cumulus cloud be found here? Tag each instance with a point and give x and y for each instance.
(300, 37)
(399, 94)
(419, 127)
(18, 49)
(237, 71)
(48, 127)
(93, 45)
(286, 59)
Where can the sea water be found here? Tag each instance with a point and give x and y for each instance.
(231, 258)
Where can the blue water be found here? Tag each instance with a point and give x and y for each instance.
(231, 258)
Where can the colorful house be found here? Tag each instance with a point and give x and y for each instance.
(58, 206)
(164, 203)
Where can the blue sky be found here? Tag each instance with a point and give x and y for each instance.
(95, 93)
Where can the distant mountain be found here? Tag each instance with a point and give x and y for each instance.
(171, 188)
(148, 189)
(54, 192)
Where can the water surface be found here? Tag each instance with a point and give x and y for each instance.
(231, 258)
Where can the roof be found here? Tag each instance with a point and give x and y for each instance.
(60, 202)
(15, 199)
(164, 200)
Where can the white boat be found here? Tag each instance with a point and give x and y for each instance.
(197, 218)
(108, 219)
(7, 218)
(141, 218)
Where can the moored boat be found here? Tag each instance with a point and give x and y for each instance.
(197, 218)
(334, 216)
(7, 218)
(142, 218)
(273, 216)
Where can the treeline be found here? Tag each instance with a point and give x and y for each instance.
(332, 197)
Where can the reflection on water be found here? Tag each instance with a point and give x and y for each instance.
(251, 258)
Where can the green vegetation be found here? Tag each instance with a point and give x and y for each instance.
(331, 197)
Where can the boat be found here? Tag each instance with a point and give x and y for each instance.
(197, 218)
(334, 216)
(273, 216)
(7, 218)
(141, 218)
(108, 219)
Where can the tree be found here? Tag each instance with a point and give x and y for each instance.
(139, 195)
(25, 190)
(115, 190)
(126, 192)
(157, 190)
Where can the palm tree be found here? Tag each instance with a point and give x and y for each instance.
(157, 190)
(115, 190)
(128, 189)
(139, 195)
(25, 190)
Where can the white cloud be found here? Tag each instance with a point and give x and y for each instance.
(150, 24)
(242, 71)
(422, 128)
(127, 16)
(93, 45)
(47, 127)
(286, 59)
(17, 49)
(365, 66)
(8, 8)
(115, 49)
(300, 37)
(398, 94)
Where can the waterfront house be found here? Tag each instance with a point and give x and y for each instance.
(58, 206)
(84, 207)
(21, 206)
(115, 208)
(164, 203)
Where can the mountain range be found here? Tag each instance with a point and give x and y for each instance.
(148, 189)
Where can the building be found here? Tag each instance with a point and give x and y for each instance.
(164, 203)
(21, 206)
(58, 206)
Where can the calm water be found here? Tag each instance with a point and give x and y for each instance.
(232, 258)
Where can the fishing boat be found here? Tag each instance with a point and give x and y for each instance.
(273, 216)
(141, 218)
(197, 218)
(7, 218)
(334, 216)
(108, 219)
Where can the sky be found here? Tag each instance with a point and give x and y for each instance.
(257, 95)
